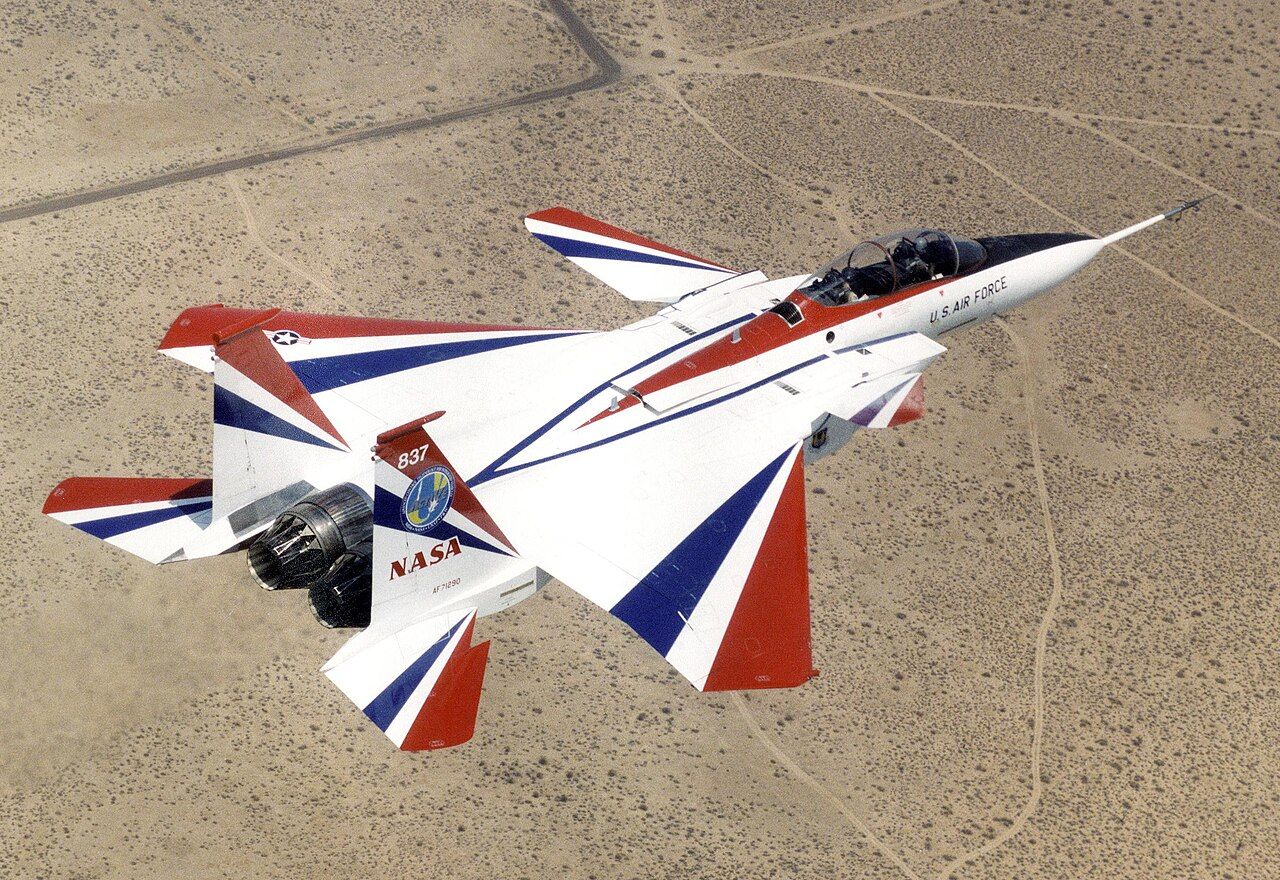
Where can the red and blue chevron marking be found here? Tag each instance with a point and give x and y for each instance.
(572, 247)
(496, 468)
(386, 513)
(868, 413)
(658, 606)
(232, 410)
(387, 705)
(569, 219)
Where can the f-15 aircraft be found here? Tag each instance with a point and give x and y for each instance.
(656, 469)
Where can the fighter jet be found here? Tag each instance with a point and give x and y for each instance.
(414, 476)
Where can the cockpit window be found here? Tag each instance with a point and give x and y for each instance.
(889, 263)
(789, 311)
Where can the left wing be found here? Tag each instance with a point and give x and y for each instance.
(150, 518)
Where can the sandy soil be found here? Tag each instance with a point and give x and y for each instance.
(1045, 614)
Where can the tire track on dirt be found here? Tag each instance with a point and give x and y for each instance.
(608, 71)
(1046, 620)
(821, 790)
(255, 235)
(1059, 112)
(837, 29)
(802, 194)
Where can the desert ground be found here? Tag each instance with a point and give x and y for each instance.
(1045, 614)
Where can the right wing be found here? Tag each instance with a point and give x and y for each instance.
(637, 267)
(689, 524)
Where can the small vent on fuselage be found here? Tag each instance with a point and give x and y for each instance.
(789, 312)
(686, 328)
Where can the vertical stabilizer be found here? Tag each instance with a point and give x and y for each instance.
(434, 544)
(272, 443)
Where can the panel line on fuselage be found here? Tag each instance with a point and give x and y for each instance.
(495, 469)
(663, 420)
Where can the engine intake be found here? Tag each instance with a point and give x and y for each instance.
(307, 541)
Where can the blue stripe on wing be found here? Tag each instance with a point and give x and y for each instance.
(572, 247)
(387, 705)
(129, 522)
(326, 373)
(654, 606)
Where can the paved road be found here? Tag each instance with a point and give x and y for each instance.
(607, 71)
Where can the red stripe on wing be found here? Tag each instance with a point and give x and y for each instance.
(562, 216)
(766, 644)
(84, 493)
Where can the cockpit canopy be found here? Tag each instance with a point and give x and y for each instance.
(888, 263)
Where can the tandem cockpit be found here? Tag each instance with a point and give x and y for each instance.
(892, 262)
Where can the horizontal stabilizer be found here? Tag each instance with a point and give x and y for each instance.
(637, 267)
(421, 684)
(150, 518)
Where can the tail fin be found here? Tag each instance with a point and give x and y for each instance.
(270, 437)
(439, 561)
(434, 544)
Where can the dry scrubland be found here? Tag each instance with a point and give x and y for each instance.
(172, 722)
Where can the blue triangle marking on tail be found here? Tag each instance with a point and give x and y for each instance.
(386, 513)
(234, 411)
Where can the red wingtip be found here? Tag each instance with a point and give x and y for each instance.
(448, 717)
(766, 644)
(912, 406)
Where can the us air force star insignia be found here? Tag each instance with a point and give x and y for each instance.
(285, 337)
